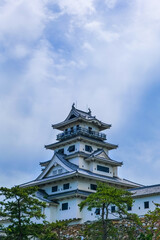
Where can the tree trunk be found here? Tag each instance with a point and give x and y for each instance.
(19, 220)
(104, 237)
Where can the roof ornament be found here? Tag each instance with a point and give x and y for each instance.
(73, 106)
(89, 111)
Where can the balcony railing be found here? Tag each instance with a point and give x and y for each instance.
(81, 131)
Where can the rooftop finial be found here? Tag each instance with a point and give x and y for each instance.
(73, 105)
(89, 111)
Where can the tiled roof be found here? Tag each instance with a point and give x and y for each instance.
(45, 162)
(110, 179)
(72, 166)
(68, 193)
(81, 115)
(146, 190)
(79, 138)
(42, 195)
(84, 173)
(48, 179)
(96, 154)
(84, 114)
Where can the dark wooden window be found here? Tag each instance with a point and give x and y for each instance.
(113, 209)
(61, 150)
(93, 187)
(88, 148)
(129, 208)
(71, 148)
(89, 129)
(146, 204)
(65, 186)
(54, 188)
(64, 206)
(97, 212)
(102, 168)
(71, 129)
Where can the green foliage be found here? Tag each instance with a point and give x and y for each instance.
(108, 195)
(151, 224)
(104, 197)
(43, 231)
(19, 207)
(50, 231)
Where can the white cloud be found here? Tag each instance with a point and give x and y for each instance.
(111, 3)
(101, 34)
(78, 8)
(21, 19)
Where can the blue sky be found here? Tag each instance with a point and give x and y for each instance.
(100, 54)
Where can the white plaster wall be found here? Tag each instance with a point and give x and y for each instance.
(89, 215)
(83, 164)
(115, 171)
(72, 212)
(75, 160)
(80, 162)
(94, 166)
(138, 205)
(82, 147)
(85, 185)
(77, 146)
(91, 166)
(48, 188)
(94, 146)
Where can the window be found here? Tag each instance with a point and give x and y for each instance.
(54, 172)
(65, 186)
(88, 148)
(97, 212)
(71, 129)
(146, 204)
(64, 206)
(129, 208)
(60, 171)
(113, 209)
(102, 169)
(54, 188)
(93, 186)
(61, 150)
(89, 129)
(71, 148)
(77, 127)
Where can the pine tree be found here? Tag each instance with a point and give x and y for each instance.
(20, 208)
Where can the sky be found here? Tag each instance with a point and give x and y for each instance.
(99, 54)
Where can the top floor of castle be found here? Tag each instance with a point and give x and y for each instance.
(79, 122)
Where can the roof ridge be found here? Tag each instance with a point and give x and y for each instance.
(45, 161)
(81, 111)
(148, 186)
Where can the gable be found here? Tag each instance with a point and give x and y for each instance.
(56, 170)
(102, 155)
(73, 114)
(55, 167)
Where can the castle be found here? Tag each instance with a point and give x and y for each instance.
(80, 159)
